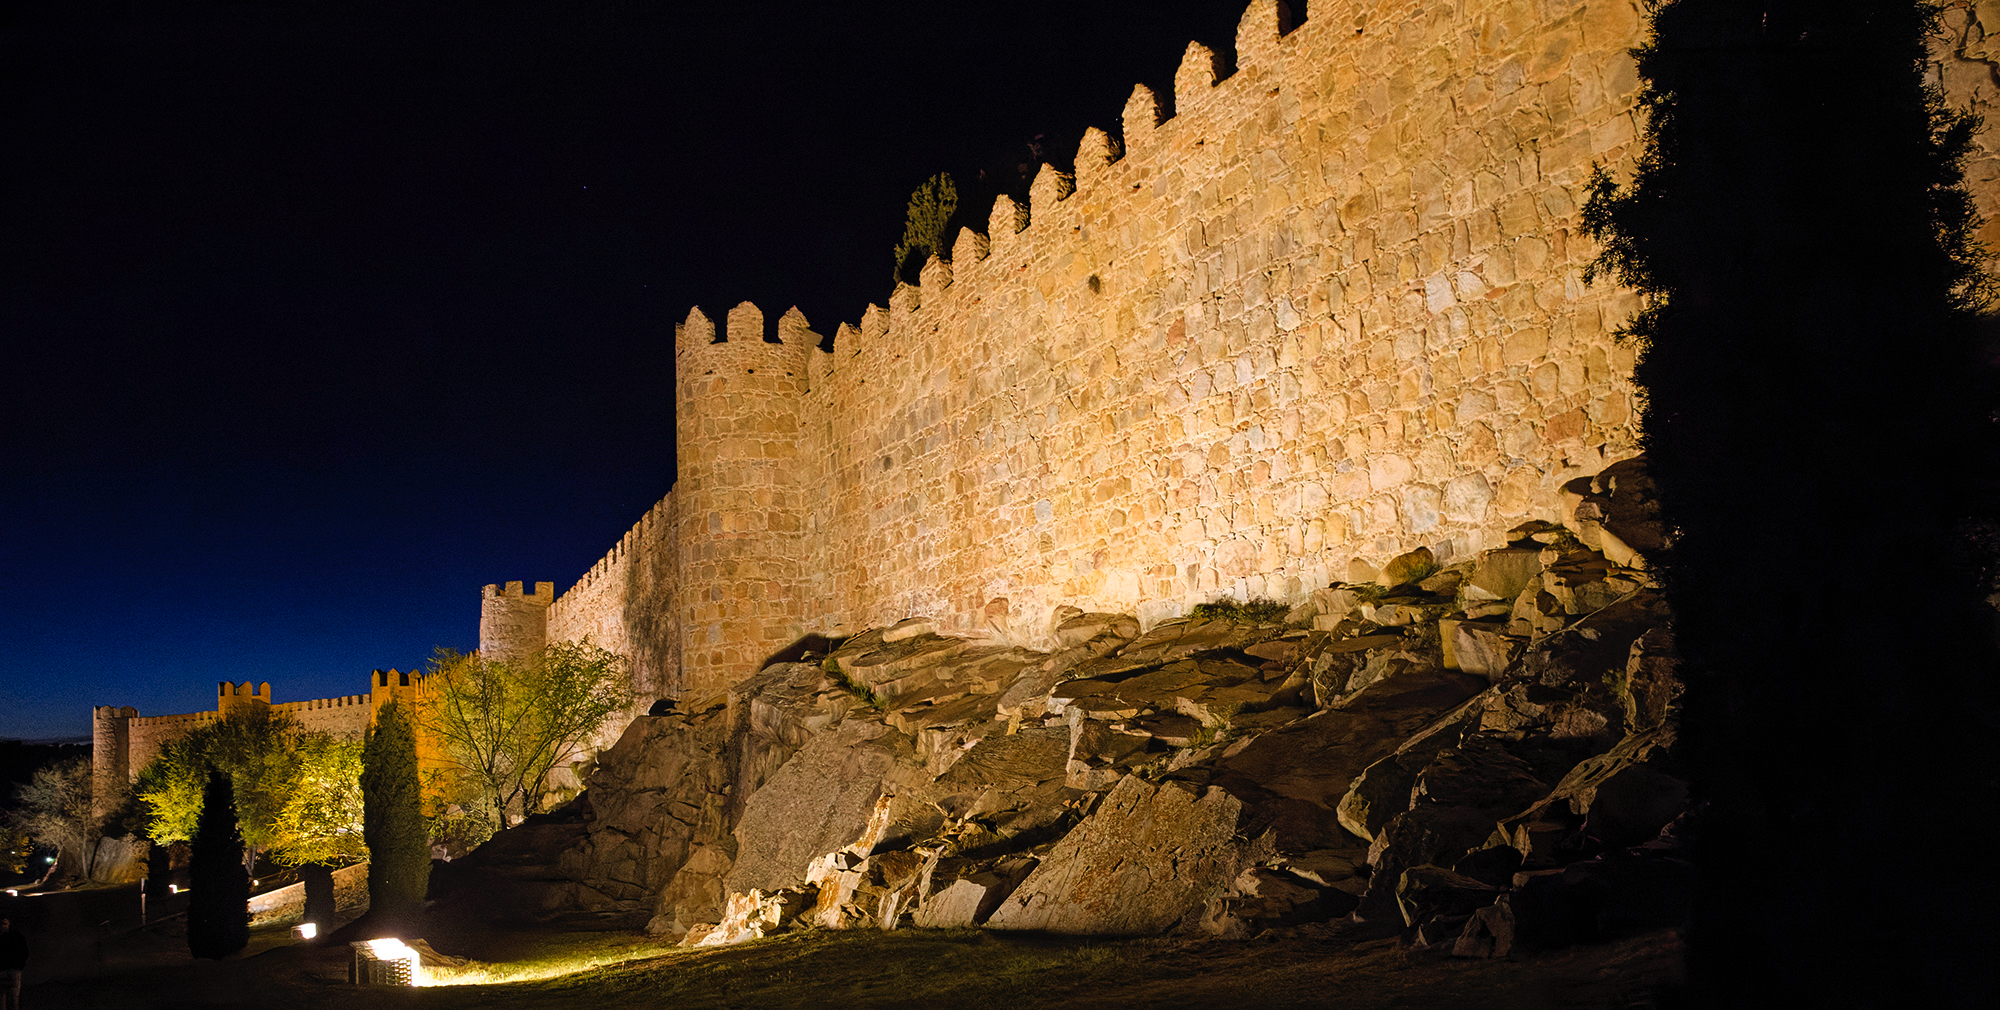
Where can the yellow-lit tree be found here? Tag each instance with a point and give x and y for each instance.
(507, 726)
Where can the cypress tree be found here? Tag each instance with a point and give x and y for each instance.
(931, 208)
(392, 819)
(1814, 421)
(219, 908)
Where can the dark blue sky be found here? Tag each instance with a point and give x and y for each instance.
(318, 316)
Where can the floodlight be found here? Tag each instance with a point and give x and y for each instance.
(385, 961)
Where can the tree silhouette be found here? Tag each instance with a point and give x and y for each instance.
(218, 907)
(1814, 420)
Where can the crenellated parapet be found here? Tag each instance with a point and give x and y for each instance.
(513, 623)
(1274, 328)
(1319, 305)
(123, 742)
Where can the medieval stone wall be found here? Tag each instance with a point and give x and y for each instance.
(123, 742)
(348, 715)
(1296, 318)
(625, 603)
(1967, 56)
(1327, 312)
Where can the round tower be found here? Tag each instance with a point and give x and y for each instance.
(514, 624)
(110, 756)
(741, 508)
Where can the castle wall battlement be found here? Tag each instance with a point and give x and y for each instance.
(1325, 312)
(123, 742)
(1302, 318)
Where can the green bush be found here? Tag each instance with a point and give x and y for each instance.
(1257, 611)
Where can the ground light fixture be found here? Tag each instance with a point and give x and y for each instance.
(306, 930)
(384, 961)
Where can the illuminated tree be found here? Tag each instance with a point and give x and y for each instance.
(54, 809)
(930, 210)
(319, 820)
(255, 749)
(507, 727)
(302, 790)
(218, 909)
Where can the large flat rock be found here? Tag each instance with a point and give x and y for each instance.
(818, 802)
(1316, 759)
(1139, 864)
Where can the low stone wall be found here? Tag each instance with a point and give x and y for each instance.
(288, 903)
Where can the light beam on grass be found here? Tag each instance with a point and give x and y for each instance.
(530, 970)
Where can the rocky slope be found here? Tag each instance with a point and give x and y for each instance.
(1480, 754)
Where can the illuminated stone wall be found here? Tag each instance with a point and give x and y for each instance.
(123, 742)
(1327, 312)
(1296, 318)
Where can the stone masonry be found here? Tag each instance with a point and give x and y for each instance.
(123, 742)
(1293, 320)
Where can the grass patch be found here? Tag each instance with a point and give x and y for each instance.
(1251, 612)
(536, 956)
(854, 687)
(1368, 592)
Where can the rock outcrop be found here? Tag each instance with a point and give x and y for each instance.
(1475, 752)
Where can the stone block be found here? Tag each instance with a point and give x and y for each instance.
(1503, 574)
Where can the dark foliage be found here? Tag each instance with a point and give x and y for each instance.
(218, 914)
(1815, 419)
(931, 209)
(392, 819)
(159, 870)
(1010, 173)
(320, 904)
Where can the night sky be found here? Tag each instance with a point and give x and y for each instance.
(319, 316)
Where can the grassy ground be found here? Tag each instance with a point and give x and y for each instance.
(955, 969)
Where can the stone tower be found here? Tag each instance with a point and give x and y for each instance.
(110, 755)
(741, 511)
(512, 623)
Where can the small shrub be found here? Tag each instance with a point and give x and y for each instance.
(1207, 736)
(858, 690)
(1252, 612)
(1368, 592)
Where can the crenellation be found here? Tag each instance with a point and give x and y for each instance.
(1006, 220)
(1139, 118)
(935, 276)
(1194, 80)
(903, 304)
(1258, 36)
(1326, 311)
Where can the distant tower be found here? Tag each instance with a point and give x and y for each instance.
(110, 756)
(240, 697)
(514, 624)
(740, 498)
